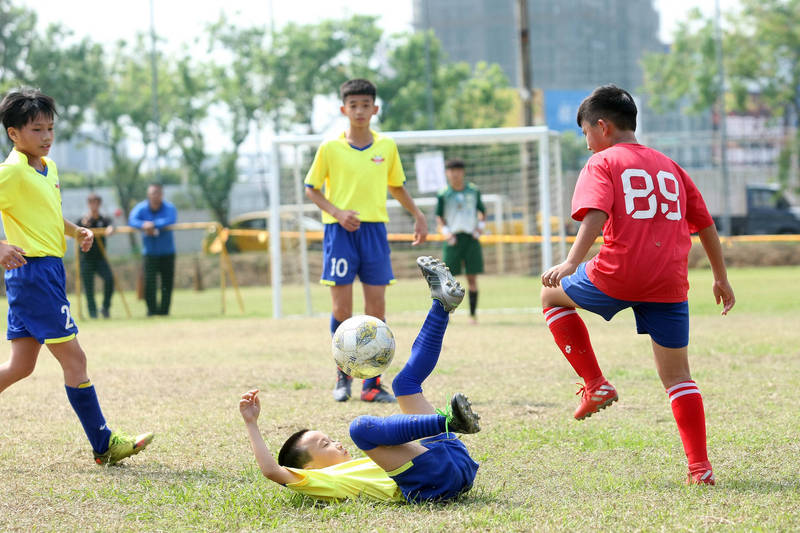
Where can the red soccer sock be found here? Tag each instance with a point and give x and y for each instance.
(572, 337)
(687, 407)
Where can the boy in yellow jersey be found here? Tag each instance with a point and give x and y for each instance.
(397, 466)
(38, 309)
(355, 171)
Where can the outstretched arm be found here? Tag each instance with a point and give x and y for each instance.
(420, 224)
(591, 225)
(250, 408)
(723, 292)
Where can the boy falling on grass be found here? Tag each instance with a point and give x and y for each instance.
(397, 467)
(38, 309)
(646, 206)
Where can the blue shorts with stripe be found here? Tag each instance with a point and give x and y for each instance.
(440, 474)
(364, 252)
(667, 323)
(37, 302)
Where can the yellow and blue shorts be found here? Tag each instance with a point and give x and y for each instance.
(364, 252)
(37, 302)
(440, 474)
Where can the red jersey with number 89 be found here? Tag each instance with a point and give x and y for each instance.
(652, 207)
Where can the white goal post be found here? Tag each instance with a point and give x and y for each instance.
(522, 191)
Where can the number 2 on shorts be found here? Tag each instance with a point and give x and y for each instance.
(69, 323)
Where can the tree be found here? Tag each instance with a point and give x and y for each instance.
(762, 55)
(17, 32)
(69, 70)
(462, 97)
(230, 91)
(308, 60)
(122, 114)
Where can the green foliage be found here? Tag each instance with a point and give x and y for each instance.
(231, 90)
(69, 70)
(307, 60)
(761, 45)
(461, 97)
(573, 151)
(688, 71)
(17, 33)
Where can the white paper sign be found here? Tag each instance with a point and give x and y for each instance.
(430, 171)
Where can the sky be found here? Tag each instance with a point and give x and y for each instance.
(178, 21)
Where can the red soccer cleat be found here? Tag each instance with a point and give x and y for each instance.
(593, 399)
(700, 474)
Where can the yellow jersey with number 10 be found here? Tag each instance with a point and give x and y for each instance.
(31, 207)
(357, 179)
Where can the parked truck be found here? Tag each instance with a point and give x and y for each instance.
(766, 211)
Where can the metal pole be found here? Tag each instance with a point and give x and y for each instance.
(154, 89)
(428, 74)
(525, 74)
(275, 231)
(723, 130)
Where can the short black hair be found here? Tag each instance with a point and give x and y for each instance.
(21, 106)
(455, 163)
(292, 454)
(358, 86)
(610, 103)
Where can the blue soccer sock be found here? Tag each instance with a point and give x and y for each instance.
(369, 432)
(83, 400)
(424, 352)
(334, 324)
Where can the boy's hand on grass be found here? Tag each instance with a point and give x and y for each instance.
(11, 256)
(250, 406)
(723, 293)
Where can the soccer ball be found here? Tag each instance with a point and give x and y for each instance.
(363, 346)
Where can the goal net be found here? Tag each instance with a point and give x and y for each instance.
(518, 171)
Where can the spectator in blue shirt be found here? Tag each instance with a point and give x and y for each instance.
(152, 216)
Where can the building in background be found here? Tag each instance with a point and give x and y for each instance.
(576, 45)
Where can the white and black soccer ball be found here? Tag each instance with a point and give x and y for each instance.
(363, 346)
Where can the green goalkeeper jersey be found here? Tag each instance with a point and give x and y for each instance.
(459, 209)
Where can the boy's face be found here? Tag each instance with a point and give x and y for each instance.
(34, 138)
(324, 451)
(359, 108)
(597, 135)
(455, 177)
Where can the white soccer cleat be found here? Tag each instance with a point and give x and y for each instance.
(444, 286)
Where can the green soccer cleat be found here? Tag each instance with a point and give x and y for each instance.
(444, 286)
(121, 446)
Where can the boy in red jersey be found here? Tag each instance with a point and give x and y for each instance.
(646, 206)
(355, 170)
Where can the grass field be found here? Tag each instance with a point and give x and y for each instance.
(621, 470)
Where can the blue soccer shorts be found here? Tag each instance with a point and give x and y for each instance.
(363, 252)
(440, 474)
(666, 323)
(37, 302)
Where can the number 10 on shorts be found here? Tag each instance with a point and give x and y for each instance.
(338, 267)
